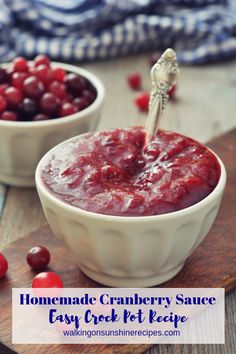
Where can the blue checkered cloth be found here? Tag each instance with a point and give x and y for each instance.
(201, 31)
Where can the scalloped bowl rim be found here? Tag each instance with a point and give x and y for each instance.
(218, 190)
(96, 82)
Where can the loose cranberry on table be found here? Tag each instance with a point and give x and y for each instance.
(47, 280)
(134, 81)
(112, 173)
(38, 257)
(3, 265)
(142, 101)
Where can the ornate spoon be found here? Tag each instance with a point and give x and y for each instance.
(163, 75)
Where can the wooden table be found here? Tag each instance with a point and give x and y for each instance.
(205, 108)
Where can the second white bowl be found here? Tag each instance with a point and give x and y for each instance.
(22, 144)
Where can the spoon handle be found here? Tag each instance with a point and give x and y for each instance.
(163, 75)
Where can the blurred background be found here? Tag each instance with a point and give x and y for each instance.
(114, 38)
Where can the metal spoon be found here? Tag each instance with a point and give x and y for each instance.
(163, 75)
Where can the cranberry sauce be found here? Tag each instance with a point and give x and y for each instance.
(111, 173)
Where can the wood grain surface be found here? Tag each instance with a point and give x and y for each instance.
(205, 108)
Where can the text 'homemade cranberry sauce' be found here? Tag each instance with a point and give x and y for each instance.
(110, 172)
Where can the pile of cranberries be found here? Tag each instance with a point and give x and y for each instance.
(36, 91)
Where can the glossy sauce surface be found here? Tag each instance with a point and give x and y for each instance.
(110, 172)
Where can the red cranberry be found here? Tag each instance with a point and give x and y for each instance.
(47, 280)
(142, 101)
(3, 265)
(80, 103)
(20, 64)
(40, 117)
(3, 104)
(134, 81)
(3, 75)
(67, 109)
(8, 115)
(18, 79)
(38, 257)
(89, 96)
(43, 72)
(58, 74)
(33, 87)
(29, 107)
(75, 83)
(172, 92)
(58, 89)
(13, 96)
(41, 60)
(49, 103)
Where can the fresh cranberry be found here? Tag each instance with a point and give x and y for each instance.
(47, 280)
(18, 79)
(33, 87)
(172, 92)
(142, 101)
(13, 96)
(89, 96)
(58, 89)
(9, 115)
(44, 73)
(58, 74)
(80, 103)
(29, 108)
(3, 265)
(40, 117)
(3, 75)
(75, 83)
(50, 103)
(41, 60)
(38, 257)
(67, 109)
(134, 81)
(3, 103)
(20, 64)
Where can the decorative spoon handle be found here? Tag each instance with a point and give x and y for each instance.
(163, 75)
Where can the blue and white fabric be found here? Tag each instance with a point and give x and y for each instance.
(201, 31)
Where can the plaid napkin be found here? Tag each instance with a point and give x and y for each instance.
(201, 31)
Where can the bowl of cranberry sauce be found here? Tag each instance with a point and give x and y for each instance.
(42, 103)
(131, 214)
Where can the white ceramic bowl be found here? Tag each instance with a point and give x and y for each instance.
(22, 144)
(129, 251)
